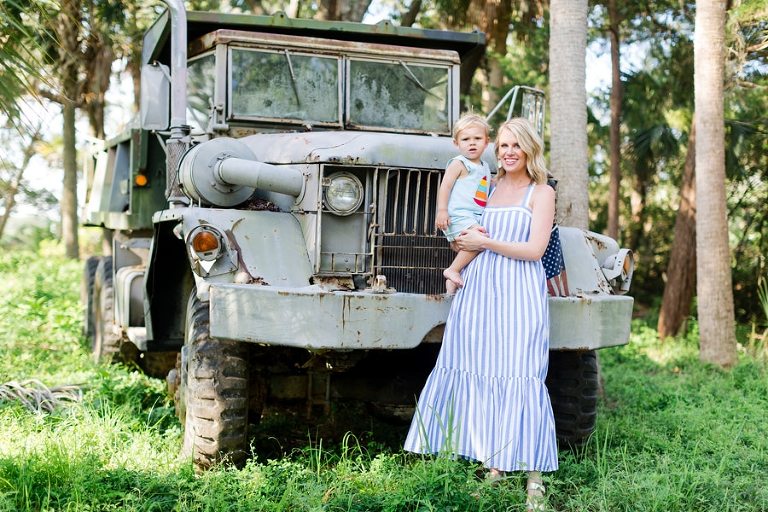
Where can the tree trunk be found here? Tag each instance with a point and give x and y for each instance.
(408, 18)
(342, 10)
(13, 187)
(713, 285)
(616, 99)
(98, 74)
(67, 27)
(292, 10)
(69, 191)
(568, 109)
(493, 18)
(10, 199)
(639, 200)
(681, 269)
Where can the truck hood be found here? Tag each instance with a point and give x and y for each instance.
(356, 148)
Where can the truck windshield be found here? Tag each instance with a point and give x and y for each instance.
(284, 85)
(201, 78)
(398, 95)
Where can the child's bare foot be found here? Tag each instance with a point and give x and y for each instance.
(452, 280)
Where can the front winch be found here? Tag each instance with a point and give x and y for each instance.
(224, 172)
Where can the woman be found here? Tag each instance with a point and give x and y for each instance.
(486, 399)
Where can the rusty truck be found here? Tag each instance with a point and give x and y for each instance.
(271, 217)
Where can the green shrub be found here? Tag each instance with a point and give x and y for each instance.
(673, 434)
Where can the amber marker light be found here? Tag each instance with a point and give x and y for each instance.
(140, 180)
(205, 241)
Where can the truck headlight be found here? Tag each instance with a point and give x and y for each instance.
(618, 270)
(343, 193)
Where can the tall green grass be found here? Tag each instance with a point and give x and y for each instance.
(673, 434)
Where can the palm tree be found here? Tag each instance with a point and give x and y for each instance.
(616, 99)
(20, 50)
(713, 285)
(568, 107)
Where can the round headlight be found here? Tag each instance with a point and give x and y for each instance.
(343, 194)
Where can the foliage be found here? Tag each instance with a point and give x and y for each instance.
(656, 120)
(657, 68)
(672, 434)
(14, 189)
(20, 37)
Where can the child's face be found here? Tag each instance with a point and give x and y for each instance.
(471, 141)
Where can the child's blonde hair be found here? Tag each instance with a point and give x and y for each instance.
(530, 143)
(468, 119)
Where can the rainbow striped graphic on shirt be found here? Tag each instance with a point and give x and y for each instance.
(481, 196)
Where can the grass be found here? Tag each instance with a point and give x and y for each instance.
(673, 434)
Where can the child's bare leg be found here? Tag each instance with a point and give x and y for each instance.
(452, 274)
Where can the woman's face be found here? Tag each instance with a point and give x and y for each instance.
(512, 157)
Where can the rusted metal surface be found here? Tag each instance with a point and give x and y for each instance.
(585, 274)
(356, 148)
(318, 45)
(589, 322)
(311, 318)
(267, 247)
(469, 45)
(317, 320)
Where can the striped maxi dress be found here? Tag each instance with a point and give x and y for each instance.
(486, 399)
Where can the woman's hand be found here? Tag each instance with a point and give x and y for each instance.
(472, 239)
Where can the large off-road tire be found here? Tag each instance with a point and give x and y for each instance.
(212, 396)
(105, 344)
(573, 384)
(86, 294)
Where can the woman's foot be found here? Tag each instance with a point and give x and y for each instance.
(535, 492)
(494, 475)
(452, 281)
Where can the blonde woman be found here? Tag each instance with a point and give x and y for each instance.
(486, 398)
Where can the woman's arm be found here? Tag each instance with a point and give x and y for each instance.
(543, 208)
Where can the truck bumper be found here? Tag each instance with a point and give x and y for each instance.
(314, 319)
(589, 322)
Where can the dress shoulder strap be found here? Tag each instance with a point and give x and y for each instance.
(528, 194)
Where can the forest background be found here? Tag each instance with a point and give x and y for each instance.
(69, 55)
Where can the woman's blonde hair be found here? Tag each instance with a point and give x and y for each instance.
(467, 120)
(530, 143)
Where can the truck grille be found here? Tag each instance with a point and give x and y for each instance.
(409, 251)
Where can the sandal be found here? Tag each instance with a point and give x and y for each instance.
(494, 476)
(536, 500)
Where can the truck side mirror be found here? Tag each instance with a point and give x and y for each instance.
(154, 107)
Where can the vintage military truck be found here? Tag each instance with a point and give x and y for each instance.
(272, 225)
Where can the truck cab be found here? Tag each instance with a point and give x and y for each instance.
(272, 220)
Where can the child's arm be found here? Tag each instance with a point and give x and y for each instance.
(454, 171)
(543, 206)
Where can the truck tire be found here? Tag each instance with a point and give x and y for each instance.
(105, 343)
(212, 396)
(86, 294)
(572, 382)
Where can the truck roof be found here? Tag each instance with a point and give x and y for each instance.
(469, 45)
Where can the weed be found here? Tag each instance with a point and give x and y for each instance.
(672, 434)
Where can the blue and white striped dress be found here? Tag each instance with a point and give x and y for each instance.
(486, 399)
